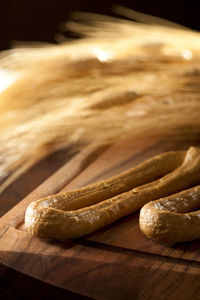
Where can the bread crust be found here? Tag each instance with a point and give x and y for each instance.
(173, 219)
(77, 213)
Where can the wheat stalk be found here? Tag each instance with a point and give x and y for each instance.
(122, 79)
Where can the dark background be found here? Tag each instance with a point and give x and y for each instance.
(38, 20)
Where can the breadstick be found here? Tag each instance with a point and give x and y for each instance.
(63, 216)
(173, 219)
(145, 172)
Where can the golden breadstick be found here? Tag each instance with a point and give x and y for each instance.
(147, 171)
(170, 219)
(49, 217)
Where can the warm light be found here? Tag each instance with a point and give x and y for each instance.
(186, 54)
(102, 55)
(7, 78)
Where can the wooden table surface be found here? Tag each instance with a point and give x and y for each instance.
(116, 262)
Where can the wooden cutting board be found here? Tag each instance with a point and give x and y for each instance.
(116, 262)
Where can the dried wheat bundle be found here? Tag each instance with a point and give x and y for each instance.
(122, 79)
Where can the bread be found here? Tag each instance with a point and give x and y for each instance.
(77, 213)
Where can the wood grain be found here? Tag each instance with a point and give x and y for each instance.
(54, 183)
(117, 262)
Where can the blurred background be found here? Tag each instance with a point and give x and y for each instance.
(38, 20)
